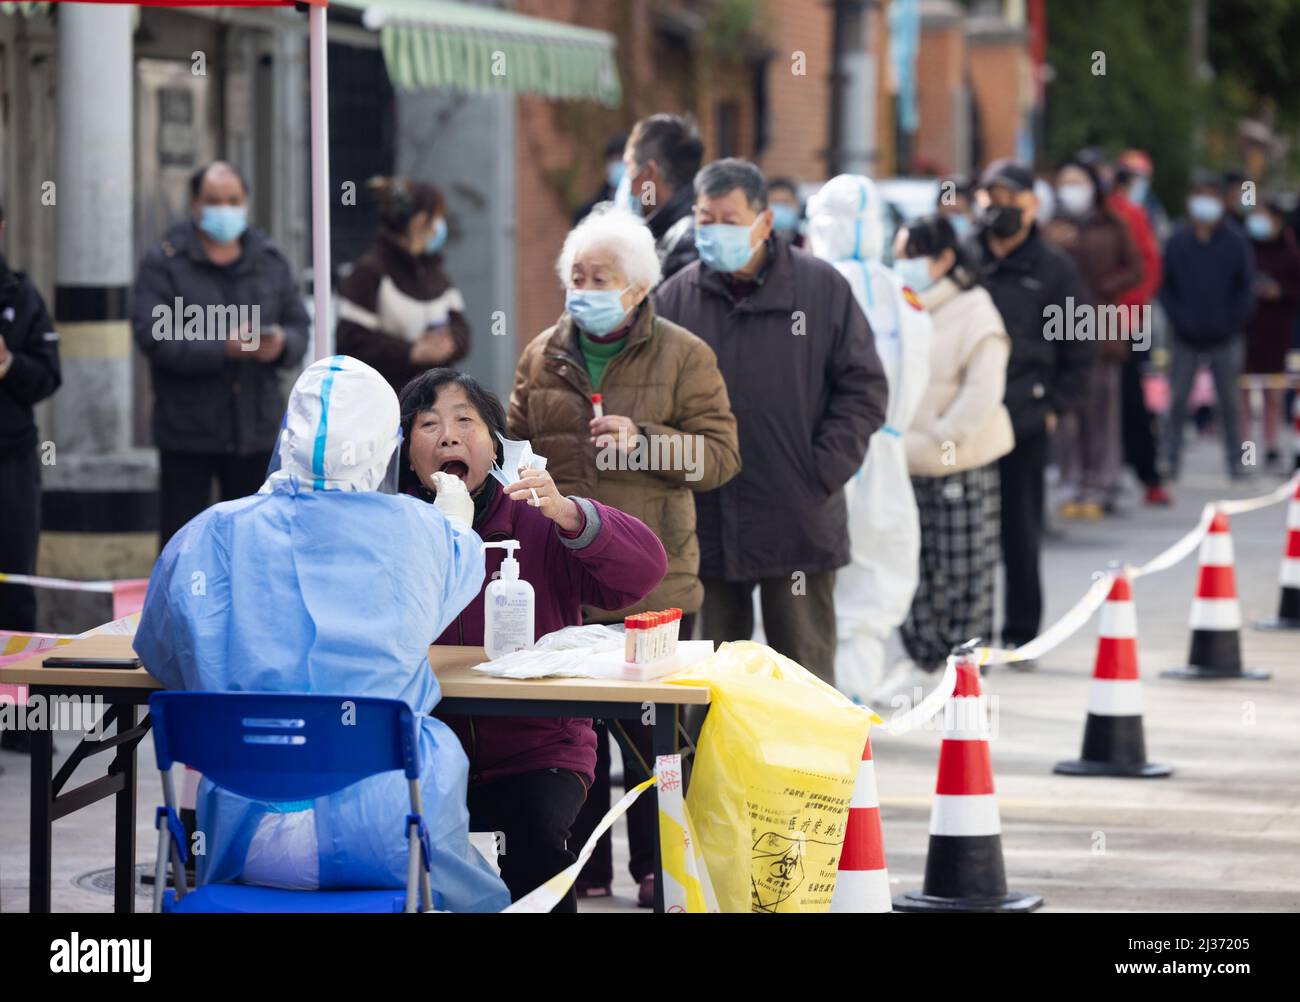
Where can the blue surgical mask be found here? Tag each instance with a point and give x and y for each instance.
(785, 218)
(596, 311)
(1205, 208)
(614, 172)
(1138, 189)
(962, 226)
(914, 272)
(1259, 226)
(623, 196)
(437, 238)
(224, 223)
(724, 247)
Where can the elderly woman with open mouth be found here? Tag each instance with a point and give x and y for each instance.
(528, 776)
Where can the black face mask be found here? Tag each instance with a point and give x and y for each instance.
(1002, 221)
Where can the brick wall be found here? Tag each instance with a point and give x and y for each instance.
(558, 166)
(999, 77)
(940, 67)
(799, 106)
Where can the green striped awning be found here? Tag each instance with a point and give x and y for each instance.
(480, 49)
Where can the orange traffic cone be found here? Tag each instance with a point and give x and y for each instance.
(1288, 612)
(1113, 739)
(863, 881)
(1216, 616)
(964, 871)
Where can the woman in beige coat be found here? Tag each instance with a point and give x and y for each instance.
(959, 432)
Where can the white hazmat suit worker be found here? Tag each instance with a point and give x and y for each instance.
(874, 592)
(321, 583)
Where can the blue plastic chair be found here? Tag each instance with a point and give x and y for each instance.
(284, 746)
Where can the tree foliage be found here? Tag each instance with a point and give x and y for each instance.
(1252, 44)
(1150, 95)
(1143, 95)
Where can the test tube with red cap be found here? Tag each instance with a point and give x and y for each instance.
(631, 626)
(642, 637)
(598, 405)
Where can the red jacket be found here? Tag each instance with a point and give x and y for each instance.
(612, 563)
(1148, 248)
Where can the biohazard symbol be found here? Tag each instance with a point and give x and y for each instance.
(777, 870)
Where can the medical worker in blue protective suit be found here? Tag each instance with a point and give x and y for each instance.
(322, 583)
(874, 592)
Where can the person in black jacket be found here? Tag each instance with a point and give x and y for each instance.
(29, 372)
(1028, 279)
(217, 311)
(663, 154)
(808, 391)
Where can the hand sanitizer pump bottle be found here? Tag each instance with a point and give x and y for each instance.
(507, 607)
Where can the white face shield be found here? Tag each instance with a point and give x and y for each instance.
(341, 431)
(844, 221)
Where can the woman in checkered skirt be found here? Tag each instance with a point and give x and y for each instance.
(960, 430)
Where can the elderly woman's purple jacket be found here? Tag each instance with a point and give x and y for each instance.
(612, 562)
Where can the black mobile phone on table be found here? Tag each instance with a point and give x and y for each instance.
(92, 663)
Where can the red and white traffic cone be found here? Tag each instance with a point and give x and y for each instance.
(1288, 611)
(1113, 739)
(1216, 616)
(862, 884)
(964, 871)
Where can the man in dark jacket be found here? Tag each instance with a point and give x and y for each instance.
(29, 372)
(662, 157)
(1209, 270)
(1027, 278)
(808, 391)
(217, 312)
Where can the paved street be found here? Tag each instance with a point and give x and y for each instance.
(1220, 835)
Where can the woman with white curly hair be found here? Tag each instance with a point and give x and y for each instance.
(629, 410)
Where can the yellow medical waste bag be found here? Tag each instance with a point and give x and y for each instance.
(772, 780)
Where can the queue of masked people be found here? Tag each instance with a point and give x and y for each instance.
(862, 444)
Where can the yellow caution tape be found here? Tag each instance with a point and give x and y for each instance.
(549, 894)
(686, 884)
